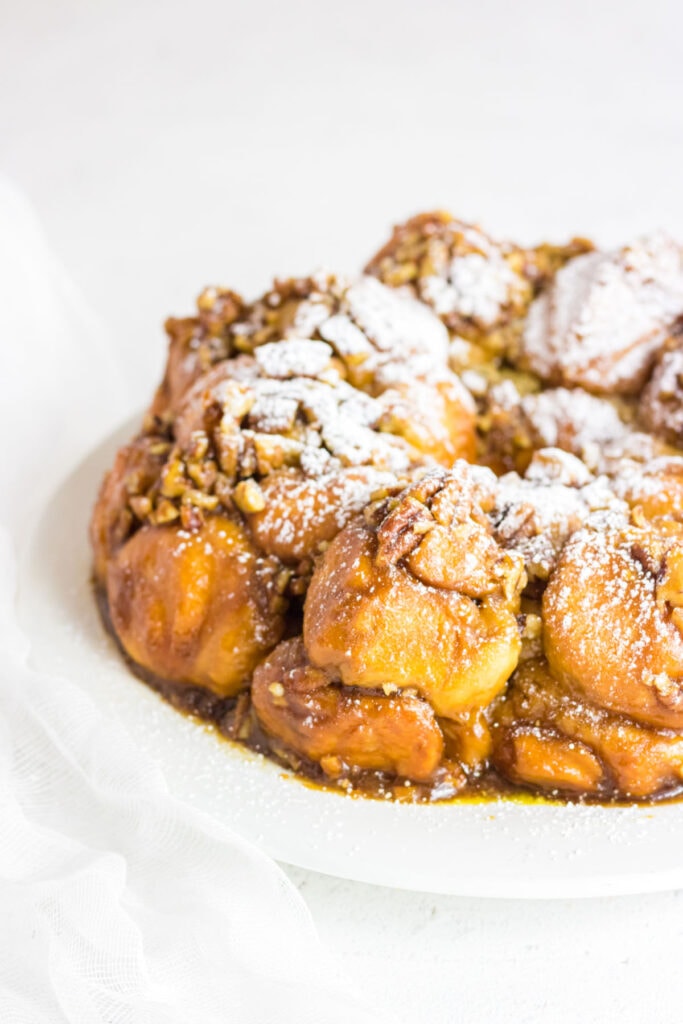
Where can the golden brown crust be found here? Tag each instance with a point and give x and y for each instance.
(301, 515)
(195, 345)
(546, 737)
(342, 729)
(200, 607)
(303, 473)
(418, 595)
(136, 469)
(612, 622)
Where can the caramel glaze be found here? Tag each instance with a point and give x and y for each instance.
(294, 448)
(233, 720)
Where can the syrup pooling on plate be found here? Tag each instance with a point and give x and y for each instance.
(420, 533)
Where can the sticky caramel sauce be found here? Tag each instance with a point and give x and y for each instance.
(232, 720)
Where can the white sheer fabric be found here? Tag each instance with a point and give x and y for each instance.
(118, 904)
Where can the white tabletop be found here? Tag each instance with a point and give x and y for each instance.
(169, 145)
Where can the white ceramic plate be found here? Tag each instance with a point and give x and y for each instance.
(493, 849)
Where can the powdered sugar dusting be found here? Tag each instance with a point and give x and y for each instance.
(572, 419)
(604, 316)
(537, 514)
(347, 338)
(476, 286)
(637, 482)
(295, 357)
(372, 328)
(661, 405)
(608, 626)
(399, 326)
(560, 411)
(319, 505)
(318, 419)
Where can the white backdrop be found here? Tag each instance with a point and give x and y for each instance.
(166, 145)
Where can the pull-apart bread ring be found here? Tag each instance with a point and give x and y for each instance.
(420, 531)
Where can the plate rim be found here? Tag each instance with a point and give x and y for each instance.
(257, 773)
